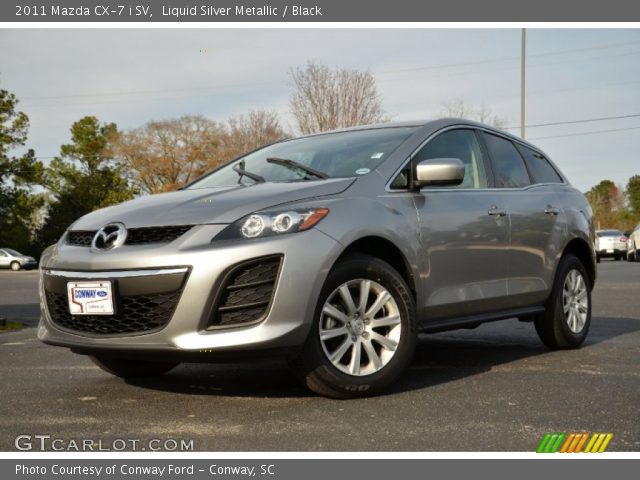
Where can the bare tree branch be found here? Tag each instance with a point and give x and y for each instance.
(458, 108)
(325, 99)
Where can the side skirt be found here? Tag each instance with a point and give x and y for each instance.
(472, 321)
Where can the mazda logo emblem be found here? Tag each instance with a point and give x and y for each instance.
(110, 236)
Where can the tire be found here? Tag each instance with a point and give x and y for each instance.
(15, 266)
(129, 368)
(378, 365)
(559, 328)
(597, 258)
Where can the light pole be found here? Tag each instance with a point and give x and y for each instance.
(522, 79)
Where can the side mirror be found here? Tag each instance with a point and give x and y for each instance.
(439, 171)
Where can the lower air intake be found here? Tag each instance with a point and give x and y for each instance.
(246, 293)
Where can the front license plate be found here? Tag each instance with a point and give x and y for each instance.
(609, 250)
(90, 298)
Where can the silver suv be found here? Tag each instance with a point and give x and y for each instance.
(333, 250)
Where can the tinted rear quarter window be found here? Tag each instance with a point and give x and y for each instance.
(539, 167)
(508, 167)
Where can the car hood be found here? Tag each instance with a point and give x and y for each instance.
(208, 205)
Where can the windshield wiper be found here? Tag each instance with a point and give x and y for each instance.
(239, 169)
(293, 165)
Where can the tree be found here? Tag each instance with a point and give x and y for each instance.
(633, 195)
(248, 132)
(607, 203)
(17, 176)
(458, 108)
(325, 99)
(83, 178)
(164, 155)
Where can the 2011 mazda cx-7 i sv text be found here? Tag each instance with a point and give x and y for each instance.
(333, 250)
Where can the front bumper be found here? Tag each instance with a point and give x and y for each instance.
(306, 259)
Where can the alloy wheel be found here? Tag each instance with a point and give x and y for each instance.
(575, 301)
(360, 327)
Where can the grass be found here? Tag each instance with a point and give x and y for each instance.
(6, 326)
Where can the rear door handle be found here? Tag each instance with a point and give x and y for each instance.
(551, 210)
(497, 212)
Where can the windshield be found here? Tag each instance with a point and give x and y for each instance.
(343, 154)
(13, 253)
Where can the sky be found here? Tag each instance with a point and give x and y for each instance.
(132, 76)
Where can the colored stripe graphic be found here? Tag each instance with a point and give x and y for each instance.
(581, 443)
(543, 443)
(607, 439)
(574, 442)
(567, 442)
(591, 442)
(558, 442)
(576, 439)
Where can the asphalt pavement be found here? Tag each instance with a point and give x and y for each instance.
(495, 388)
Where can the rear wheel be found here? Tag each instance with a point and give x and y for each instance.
(129, 368)
(364, 332)
(565, 322)
(15, 266)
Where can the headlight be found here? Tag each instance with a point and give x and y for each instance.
(265, 224)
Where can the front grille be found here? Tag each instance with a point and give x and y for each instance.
(135, 236)
(139, 236)
(134, 314)
(80, 238)
(246, 292)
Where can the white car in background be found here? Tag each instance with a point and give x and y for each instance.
(633, 245)
(15, 260)
(610, 243)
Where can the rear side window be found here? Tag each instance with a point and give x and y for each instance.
(508, 166)
(539, 167)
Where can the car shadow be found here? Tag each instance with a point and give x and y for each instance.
(439, 358)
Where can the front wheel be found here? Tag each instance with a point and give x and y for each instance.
(566, 320)
(129, 368)
(15, 266)
(364, 331)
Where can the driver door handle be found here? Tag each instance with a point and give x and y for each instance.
(551, 210)
(497, 212)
